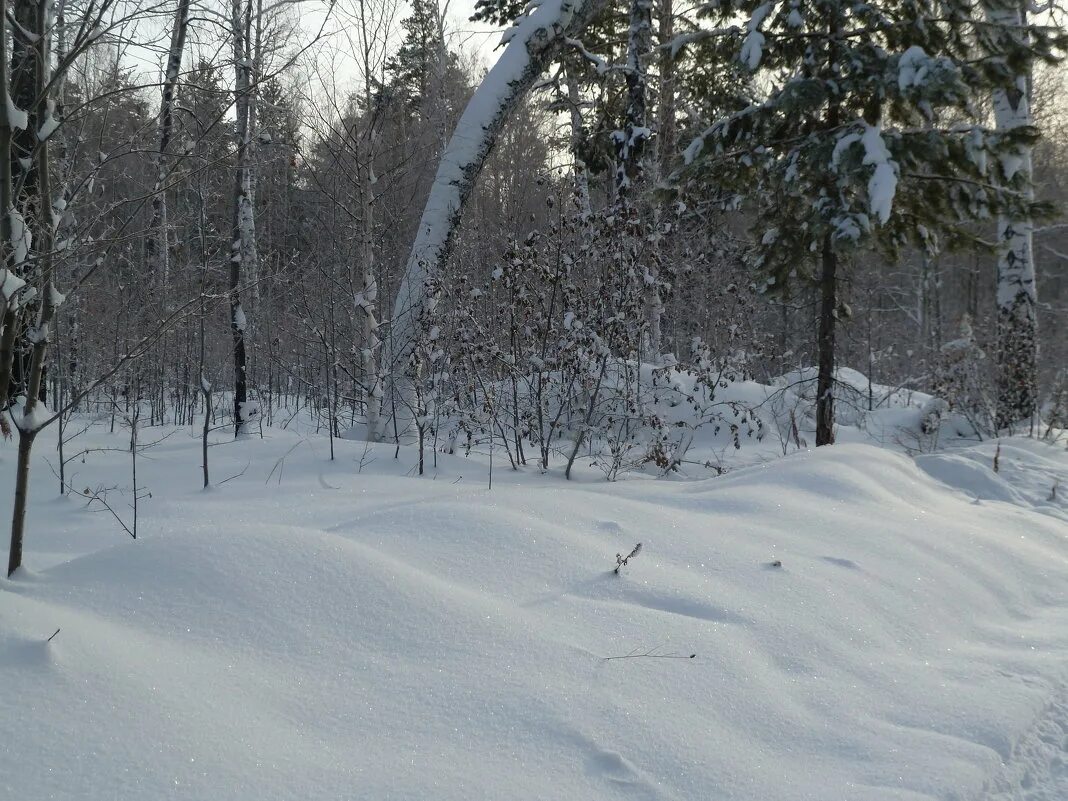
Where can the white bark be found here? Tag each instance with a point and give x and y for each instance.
(368, 296)
(243, 231)
(531, 45)
(582, 177)
(1017, 296)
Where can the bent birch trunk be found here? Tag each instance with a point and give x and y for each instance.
(532, 44)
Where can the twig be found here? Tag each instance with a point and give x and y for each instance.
(651, 654)
(236, 475)
(281, 462)
(622, 560)
(53, 635)
(99, 495)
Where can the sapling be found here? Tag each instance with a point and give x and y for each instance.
(622, 560)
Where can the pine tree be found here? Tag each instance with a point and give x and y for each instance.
(423, 66)
(868, 139)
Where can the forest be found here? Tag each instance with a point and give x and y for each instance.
(345, 341)
(221, 216)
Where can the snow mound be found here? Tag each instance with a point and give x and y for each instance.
(1030, 473)
(861, 631)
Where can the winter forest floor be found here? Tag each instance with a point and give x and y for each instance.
(864, 626)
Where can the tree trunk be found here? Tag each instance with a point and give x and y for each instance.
(630, 171)
(828, 316)
(581, 175)
(370, 354)
(156, 245)
(1017, 295)
(24, 174)
(242, 248)
(7, 265)
(39, 334)
(630, 142)
(18, 513)
(666, 133)
(533, 43)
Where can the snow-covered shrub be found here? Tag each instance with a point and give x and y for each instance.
(960, 379)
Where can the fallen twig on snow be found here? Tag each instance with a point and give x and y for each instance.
(651, 654)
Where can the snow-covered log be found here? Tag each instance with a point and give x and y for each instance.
(530, 47)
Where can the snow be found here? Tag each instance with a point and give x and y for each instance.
(21, 237)
(844, 142)
(10, 285)
(753, 44)
(1011, 163)
(693, 150)
(248, 410)
(17, 118)
(48, 127)
(882, 186)
(37, 417)
(57, 298)
(913, 68)
(976, 149)
(320, 630)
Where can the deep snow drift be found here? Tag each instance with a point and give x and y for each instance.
(321, 630)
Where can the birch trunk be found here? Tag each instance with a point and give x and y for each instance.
(630, 150)
(630, 170)
(24, 176)
(1017, 295)
(666, 134)
(39, 334)
(8, 287)
(826, 345)
(532, 45)
(243, 230)
(156, 246)
(368, 295)
(581, 175)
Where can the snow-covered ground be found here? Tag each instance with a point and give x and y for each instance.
(864, 626)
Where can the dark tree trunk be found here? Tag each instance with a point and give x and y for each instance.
(828, 316)
(18, 515)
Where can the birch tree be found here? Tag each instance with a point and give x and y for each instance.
(531, 45)
(1017, 291)
(243, 224)
(157, 247)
